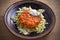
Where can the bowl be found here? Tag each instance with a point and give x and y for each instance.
(11, 12)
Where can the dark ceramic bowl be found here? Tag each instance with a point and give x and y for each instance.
(11, 12)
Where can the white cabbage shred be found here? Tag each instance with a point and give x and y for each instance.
(40, 27)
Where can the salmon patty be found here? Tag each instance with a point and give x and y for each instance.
(28, 20)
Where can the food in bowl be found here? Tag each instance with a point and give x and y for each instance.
(30, 20)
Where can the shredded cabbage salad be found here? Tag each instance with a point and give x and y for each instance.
(40, 27)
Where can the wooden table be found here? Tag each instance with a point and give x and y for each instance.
(5, 34)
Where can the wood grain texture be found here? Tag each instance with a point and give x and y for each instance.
(5, 34)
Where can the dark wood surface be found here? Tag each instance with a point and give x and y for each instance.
(5, 34)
